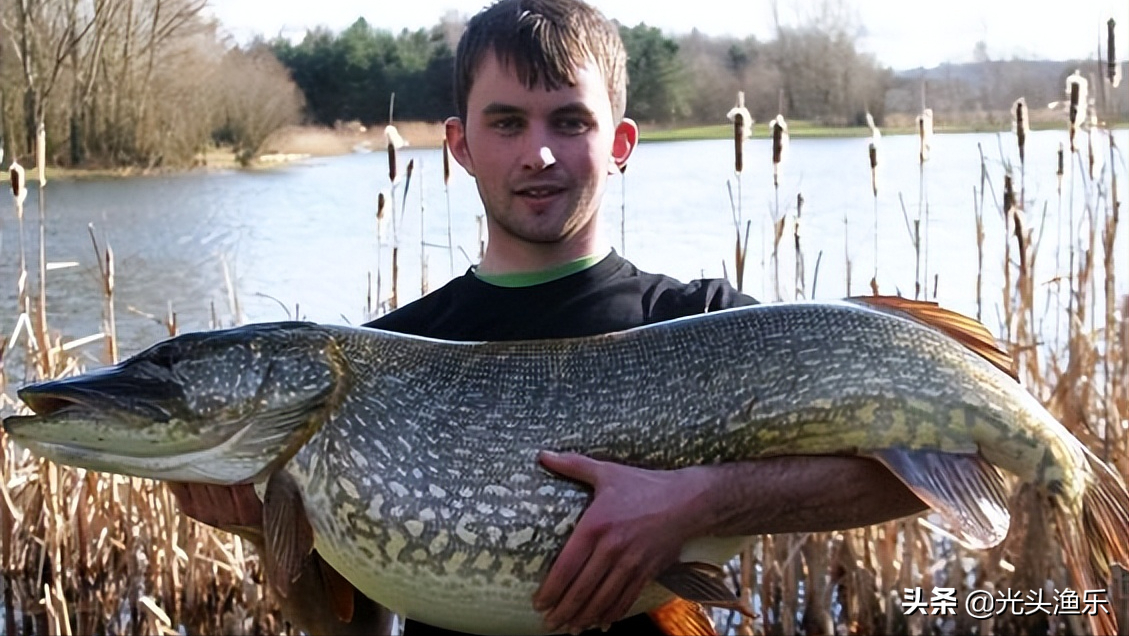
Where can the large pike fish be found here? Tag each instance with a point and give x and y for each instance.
(415, 459)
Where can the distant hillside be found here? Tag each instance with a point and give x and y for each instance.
(992, 87)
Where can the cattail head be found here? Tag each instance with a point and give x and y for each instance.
(875, 137)
(1076, 90)
(924, 133)
(1113, 69)
(874, 167)
(391, 163)
(380, 203)
(742, 130)
(779, 146)
(393, 142)
(1022, 126)
(16, 176)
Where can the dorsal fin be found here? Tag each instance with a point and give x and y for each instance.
(967, 331)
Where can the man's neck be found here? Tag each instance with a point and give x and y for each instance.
(507, 256)
(540, 277)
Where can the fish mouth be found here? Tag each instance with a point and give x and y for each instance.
(141, 426)
(98, 396)
(107, 423)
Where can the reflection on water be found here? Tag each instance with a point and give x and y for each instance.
(301, 241)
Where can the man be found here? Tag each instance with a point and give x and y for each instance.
(540, 91)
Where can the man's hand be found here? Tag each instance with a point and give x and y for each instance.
(632, 530)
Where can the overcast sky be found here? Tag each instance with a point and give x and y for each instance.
(901, 33)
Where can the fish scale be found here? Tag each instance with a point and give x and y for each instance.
(416, 459)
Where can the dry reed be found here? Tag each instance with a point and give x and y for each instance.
(779, 151)
(742, 129)
(872, 148)
(925, 143)
(1085, 383)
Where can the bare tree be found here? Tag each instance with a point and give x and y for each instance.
(44, 34)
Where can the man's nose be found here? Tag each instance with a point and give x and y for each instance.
(538, 154)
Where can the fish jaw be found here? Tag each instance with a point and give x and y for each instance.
(220, 407)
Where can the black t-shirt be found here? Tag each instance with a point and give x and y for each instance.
(612, 295)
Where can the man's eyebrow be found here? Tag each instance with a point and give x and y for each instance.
(497, 108)
(575, 108)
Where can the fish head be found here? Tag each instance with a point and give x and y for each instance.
(219, 407)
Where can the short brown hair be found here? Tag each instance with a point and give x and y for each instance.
(545, 42)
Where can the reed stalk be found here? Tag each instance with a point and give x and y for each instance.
(847, 252)
(1008, 211)
(41, 170)
(925, 143)
(105, 262)
(447, 196)
(423, 244)
(779, 149)
(740, 249)
(978, 209)
(381, 206)
(873, 155)
(799, 255)
(742, 129)
(1058, 243)
(394, 142)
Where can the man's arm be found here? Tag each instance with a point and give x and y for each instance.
(639, 520)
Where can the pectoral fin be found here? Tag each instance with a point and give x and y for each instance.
(683, 618)
(340, 591)
(287, 532)
(700, 583)
(965, 490)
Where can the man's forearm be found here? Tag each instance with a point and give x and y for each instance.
(799, 494)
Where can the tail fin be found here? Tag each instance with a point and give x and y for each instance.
(1102, 540)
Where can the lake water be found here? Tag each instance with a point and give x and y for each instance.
(305, 235)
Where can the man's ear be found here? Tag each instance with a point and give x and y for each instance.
(456, 143)
(626, 137)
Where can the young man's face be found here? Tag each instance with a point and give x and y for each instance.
(541, 158)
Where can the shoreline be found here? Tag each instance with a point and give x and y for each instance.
(294, 143)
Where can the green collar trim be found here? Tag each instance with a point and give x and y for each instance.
(529, 279)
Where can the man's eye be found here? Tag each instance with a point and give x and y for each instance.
(574, 125)
(508, 124)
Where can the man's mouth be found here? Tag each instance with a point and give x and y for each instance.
(539, 192)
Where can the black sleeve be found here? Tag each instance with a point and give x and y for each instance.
(414, 318)
(697, 297)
